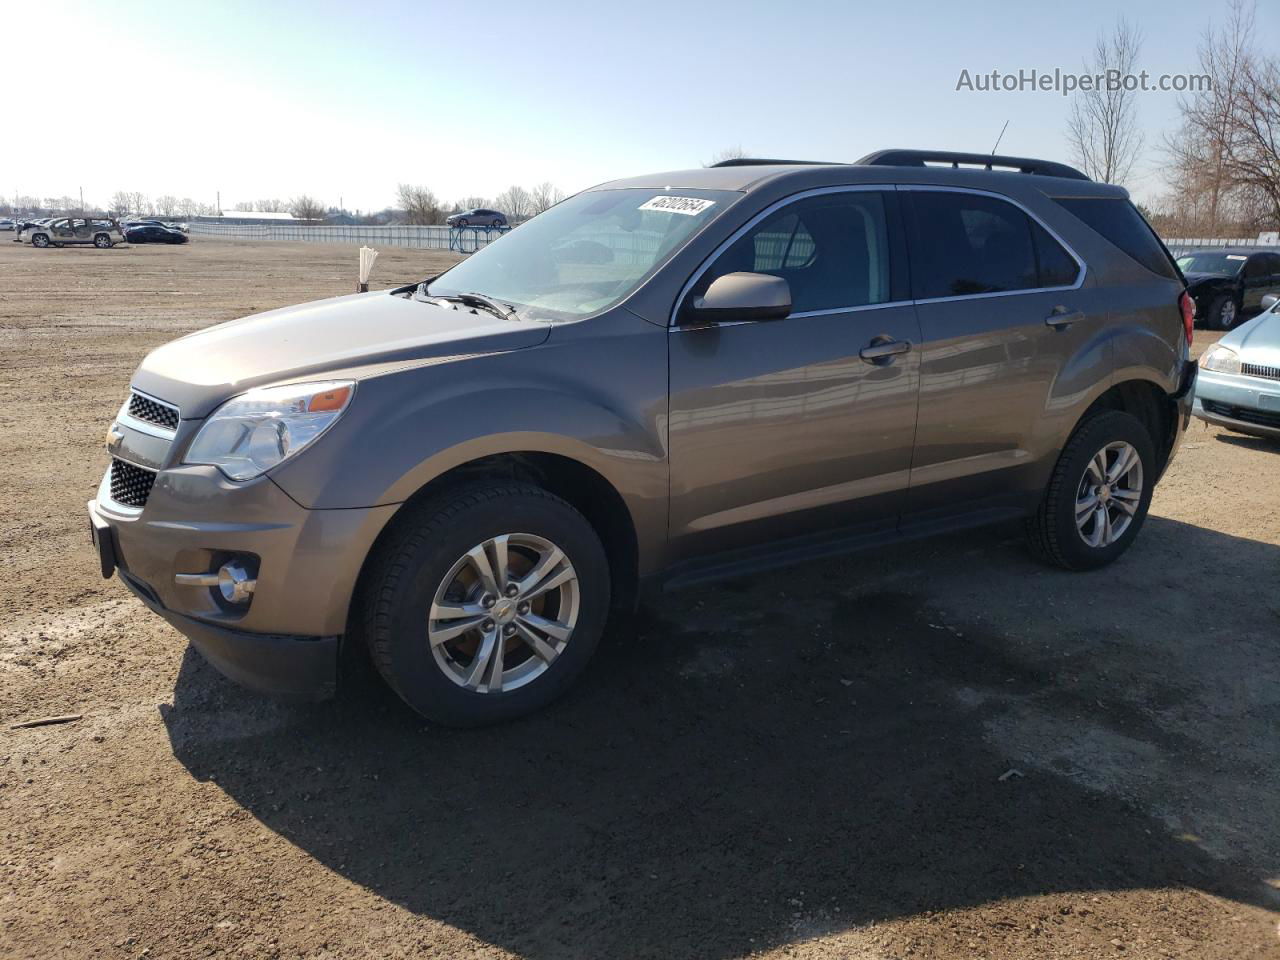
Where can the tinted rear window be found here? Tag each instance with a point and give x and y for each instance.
(1120, 222)
(964, 243)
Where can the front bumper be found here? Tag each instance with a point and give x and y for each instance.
(1249, 405)
(286, 639)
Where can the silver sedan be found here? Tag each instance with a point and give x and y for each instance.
(1239, 383)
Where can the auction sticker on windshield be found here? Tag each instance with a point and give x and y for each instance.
(689, 206)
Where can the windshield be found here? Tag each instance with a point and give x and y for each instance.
(1221, 264)
(585, 254)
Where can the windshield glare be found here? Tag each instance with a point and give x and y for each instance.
(1221, 264)
(585, 254)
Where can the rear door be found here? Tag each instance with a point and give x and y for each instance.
(1001, 310)
(780, 428)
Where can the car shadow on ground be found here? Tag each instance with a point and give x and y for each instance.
(798, 769)
(1264, 444)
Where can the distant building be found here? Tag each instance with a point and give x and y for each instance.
(242, 218)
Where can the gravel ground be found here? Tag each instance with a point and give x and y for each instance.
(810, 764)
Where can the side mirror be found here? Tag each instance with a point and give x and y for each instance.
(742, 296)
(1269, 301)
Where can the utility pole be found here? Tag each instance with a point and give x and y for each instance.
(218, 211)
(82, 199)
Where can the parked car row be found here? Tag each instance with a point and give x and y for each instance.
(1228, 283)
(101, 232)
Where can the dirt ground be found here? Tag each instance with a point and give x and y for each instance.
(809, 764)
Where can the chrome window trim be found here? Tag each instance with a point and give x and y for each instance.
(882, 187)
(1080, 277)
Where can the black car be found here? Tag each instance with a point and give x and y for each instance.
(154, 233)
(1229, 283)
(477, 218)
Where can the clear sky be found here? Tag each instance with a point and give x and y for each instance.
(345, 100)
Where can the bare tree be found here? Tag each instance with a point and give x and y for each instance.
(121, 202)
(1103, 128)
(515, 202)
(140, 203)
(544, 196)
(419, 203)
(1202, 198)
(305, 207)
(728, 153)
(167, 205)
(471, 203)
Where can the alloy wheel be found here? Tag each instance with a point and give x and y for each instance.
(504, 613)
(1109, 493)
(1227, 317)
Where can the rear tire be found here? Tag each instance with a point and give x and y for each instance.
(102, 241)
(1061, 530)
(421, 580)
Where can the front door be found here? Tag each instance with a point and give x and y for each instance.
(781, 428)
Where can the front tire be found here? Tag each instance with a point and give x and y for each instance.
(39, 240)
(1098, 494)
(485, 604)
(1224, 312)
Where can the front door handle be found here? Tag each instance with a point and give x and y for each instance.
(1062, 317)
(882, 349)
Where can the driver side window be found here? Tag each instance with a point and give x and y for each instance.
(832, 249)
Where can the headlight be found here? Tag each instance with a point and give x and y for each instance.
(1221, 359)
(250, 434)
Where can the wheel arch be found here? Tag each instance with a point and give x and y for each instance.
(580, 485)
(1147, 401)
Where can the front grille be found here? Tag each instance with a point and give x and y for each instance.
(1262, 418)
(142, 407)
(1258, 370)
(130, 485)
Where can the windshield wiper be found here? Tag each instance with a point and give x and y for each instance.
(500, 310)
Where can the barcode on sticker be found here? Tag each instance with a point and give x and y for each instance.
(689, 206)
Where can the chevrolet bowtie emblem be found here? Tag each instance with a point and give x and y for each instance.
(114, 437)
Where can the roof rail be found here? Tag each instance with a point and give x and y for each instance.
(920, 158)
(762, 162)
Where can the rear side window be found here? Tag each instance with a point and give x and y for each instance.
(832, 249)
(1057, 268)
(1121, 223)
(965, 243)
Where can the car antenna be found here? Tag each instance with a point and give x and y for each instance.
(999, 138)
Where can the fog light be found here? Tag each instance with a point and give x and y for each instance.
(232, 580)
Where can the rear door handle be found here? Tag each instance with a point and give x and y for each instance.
(882, 349)
(1062, 317)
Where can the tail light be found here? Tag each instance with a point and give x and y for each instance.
(1188, 308)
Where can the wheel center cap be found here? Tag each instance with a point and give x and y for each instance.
(1104, 492)
(504, 611)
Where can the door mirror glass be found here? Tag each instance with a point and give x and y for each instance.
(737, 297)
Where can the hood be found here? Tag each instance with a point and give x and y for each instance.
(1257, 341)
(313, 340)
(1205, 281)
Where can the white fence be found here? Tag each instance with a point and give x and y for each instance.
(463, 240)
(470, 239)
(1180, 245)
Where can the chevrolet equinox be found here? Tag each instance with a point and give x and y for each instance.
(656, 382)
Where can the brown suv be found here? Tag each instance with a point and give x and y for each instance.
(658, 381)
(102, 232)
